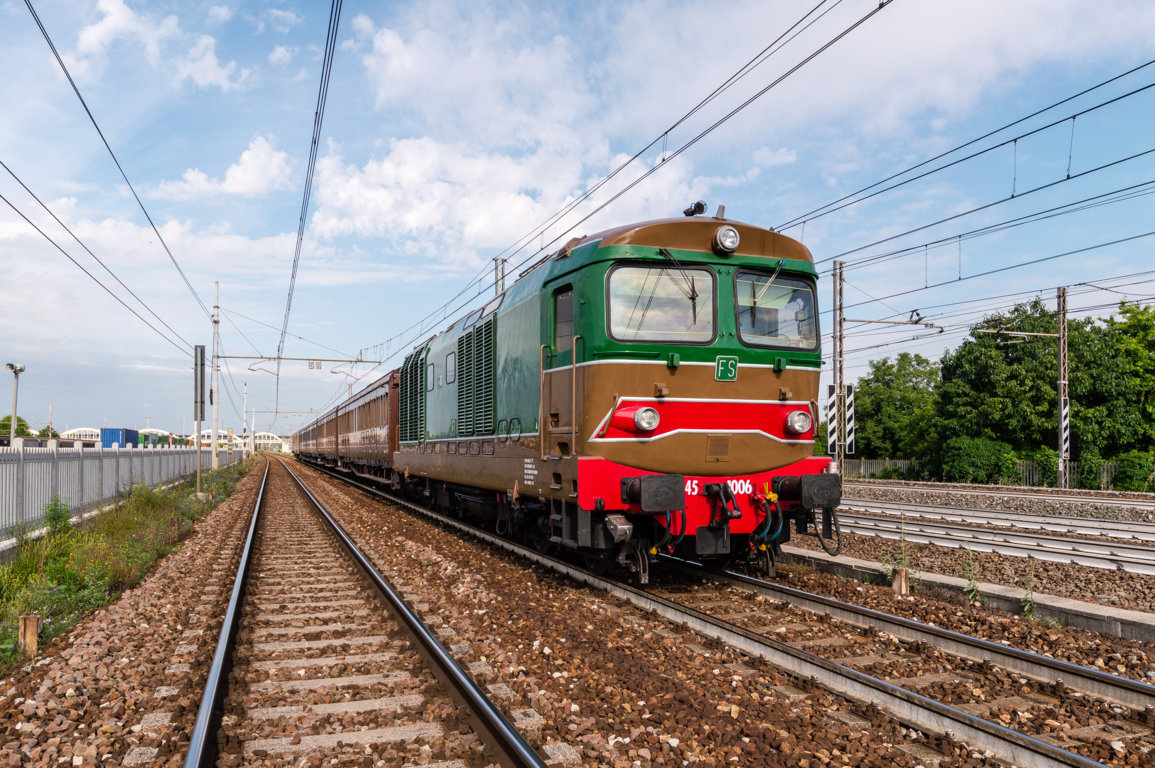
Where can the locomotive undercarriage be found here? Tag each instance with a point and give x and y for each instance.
(607, 539)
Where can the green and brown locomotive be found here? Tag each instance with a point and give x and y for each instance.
(648, 389)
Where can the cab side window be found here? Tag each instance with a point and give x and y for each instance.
(563, 320)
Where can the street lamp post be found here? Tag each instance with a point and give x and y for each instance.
(16, 369)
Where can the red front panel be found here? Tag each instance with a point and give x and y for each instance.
(602, 479)
(766, 417)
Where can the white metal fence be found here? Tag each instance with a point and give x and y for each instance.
(85, 478)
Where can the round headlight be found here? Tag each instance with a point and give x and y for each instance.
(726, 239)
(646, 419)
(798, 422)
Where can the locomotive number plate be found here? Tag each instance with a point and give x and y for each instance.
(739, 485)
(726, 368)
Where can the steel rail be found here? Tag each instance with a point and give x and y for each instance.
(1088, 526)
(510, 749)
(203, 748)
(906, 706)
(1073, 497)
(1122, 690)
(1110, 556)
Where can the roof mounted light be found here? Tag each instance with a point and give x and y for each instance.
(725, 240)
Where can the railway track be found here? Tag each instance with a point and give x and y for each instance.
(934, 699)
(1113, 554)
(1081, 526)
(318, 668)
(784, 604)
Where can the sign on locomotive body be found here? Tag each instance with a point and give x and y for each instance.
(651, 388)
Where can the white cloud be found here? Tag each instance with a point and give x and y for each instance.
(118, 22)
(260, 169)
(470, 70)
(900, 70)
(219, 14)
(767, 158)
(282, 21)
(203, 68)
(280, 55)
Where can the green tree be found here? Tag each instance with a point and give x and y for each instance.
(48, 432)
(894, 407)
(1136, 471)
(21, 426)
(1002, 391)
(1132, 339)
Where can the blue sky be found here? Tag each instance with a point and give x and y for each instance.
(453, 129)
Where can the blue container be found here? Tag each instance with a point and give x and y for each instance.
(122, 436)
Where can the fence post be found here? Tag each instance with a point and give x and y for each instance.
(19, 446)
(55, 446)
(100, 472)
(80, 476)
(116, 490)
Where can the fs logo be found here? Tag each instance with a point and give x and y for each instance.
(726, 368)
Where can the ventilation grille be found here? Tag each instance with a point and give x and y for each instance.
(411, 407)
(476, 379)
(717, 447)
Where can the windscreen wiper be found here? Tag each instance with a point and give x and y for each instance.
(692, 295)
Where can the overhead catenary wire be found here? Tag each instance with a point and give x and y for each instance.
(1030, 262)
(107, 146)
(235, 313)
(853, 199)
(88, 250)
(991, 204)
(183, 350)
(1119, 195)
(318, 118)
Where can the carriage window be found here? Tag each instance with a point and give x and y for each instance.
(662, 304)
(451, 368)
(563, 321)
(430, 377)
(775, 311)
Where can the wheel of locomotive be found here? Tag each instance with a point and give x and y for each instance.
(537, 535)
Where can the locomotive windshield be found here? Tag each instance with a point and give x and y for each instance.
(775, 311)
(662, 304)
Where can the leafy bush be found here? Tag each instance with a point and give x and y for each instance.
(977, 460)
(1046, 461)
(57, 514)
(1090, 466)
(1134, 472)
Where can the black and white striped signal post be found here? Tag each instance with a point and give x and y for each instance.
(1063, 479)
(849, 425)
(831, 421)
(834, 430)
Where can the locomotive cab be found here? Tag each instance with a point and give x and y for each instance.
(685, 354)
